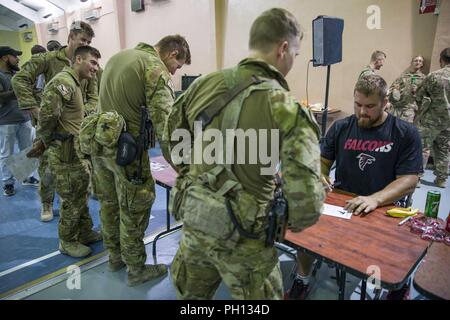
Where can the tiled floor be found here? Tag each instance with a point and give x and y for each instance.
(97, 283)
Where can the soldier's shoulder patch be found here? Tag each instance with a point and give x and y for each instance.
(64, 90)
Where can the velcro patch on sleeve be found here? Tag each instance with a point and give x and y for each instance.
(65, 92)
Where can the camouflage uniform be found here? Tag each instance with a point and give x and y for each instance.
(249, 268)
(367, 71)
(61, 114)
(49, 64)
(402, 96)
(131, 79)
(433, 97)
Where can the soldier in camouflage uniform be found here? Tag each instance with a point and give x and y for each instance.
(376, 62)
(248, 267)
(131, 79)
(60, 117)
(433, 97)
(49, 64)
(402, 93)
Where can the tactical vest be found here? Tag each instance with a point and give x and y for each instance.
(223, 212)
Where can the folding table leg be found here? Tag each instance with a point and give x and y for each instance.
(363, 290)
(341, 282)
(317, 266)
(168, 229)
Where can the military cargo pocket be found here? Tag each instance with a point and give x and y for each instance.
(63, 183)
(253, 217)
(178, 271)
(68, 153)
(176, 198)
(140, 197)
(206, 212)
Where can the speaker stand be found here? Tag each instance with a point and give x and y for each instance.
(325, 110)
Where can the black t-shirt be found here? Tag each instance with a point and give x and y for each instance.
(367, 160)
(9, 110)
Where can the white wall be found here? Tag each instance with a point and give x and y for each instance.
(207, 23)
(403, 34)
(193, 19)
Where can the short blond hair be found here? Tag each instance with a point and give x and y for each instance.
(272, 27)
(81, 27)
(372, 84)
(377, 55)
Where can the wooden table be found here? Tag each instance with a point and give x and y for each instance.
(432, 278)
(165, 176)
(363, 241)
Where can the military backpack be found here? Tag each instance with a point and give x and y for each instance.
(100, 130)
(224, 212)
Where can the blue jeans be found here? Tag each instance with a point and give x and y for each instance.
(9, 134)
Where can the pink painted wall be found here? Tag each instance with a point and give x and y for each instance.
(106, 28)
(119, 28)
(403, 34)
(44, 35)
(193, 19)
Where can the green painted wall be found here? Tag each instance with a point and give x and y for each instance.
(9, 38)
(25, 47)
(15, 40)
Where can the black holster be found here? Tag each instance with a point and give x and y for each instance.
(277, 221)
(68, 153)
(143, 143)
(127, 149)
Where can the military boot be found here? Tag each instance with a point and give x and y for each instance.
(74, 249)
(115, 262)
(440, 183)
(47, 212)
(145, 273)
(90, 237)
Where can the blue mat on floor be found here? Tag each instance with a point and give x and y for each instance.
(23, 237)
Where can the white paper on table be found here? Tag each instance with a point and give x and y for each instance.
(336, 211)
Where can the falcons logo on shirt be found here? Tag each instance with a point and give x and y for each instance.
(365, 159)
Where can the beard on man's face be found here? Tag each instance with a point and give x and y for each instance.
(13, 67)
(366, 122)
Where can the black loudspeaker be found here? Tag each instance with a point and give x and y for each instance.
(187, 80)
(327, 40)
(137, 5)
